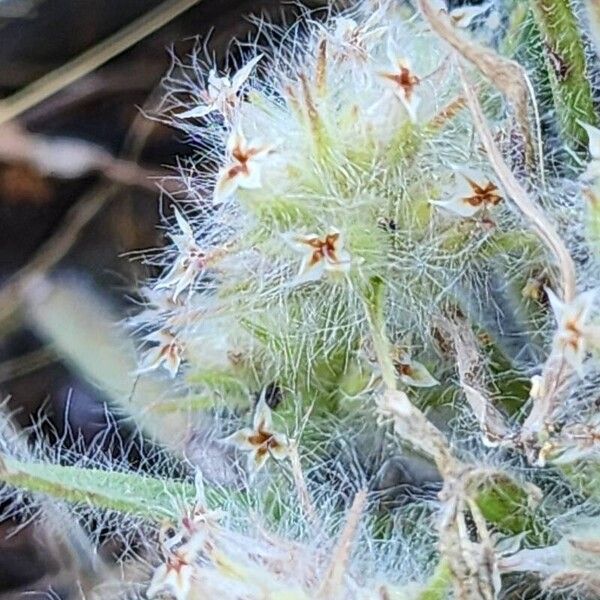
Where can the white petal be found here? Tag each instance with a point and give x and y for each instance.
(241, 438)
(457, 206)
(584, 302)
(226, 185)
(300, 243)
(342, 264)
(592, 337)
(257, 460)
(185, 280)
(172, 362)
(419, 376)
(185, 227)
(558, 306)
(200, 498)
(157, 582)
(411, 105)
(262, 414)
(309, 273)
(343, 27)
(198, 112)
(242, 75)
(592, 172)
(151, 361)
(280, 450)
(236, 141)
(593, 139)
(216, 84)
(251, 180)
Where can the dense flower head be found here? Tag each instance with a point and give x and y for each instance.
(338, 161)
(368, 247)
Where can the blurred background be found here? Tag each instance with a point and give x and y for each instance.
(79, 190)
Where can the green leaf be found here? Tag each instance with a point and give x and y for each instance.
(567, 68)
(128, 493)
(507, 505)
(196, 403)
(437, 586)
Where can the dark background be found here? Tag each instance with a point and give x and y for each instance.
(103, 108)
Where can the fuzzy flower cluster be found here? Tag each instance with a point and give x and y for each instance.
(350, 239)
(377, 318)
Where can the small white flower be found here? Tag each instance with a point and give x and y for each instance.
(592, 173)
(404, 83)
(575, 336)
(473, 193)
(221, 93)
(166, 354)
(244, 170)
(321, 255)
(414, 373)
(260, 441)
(174, 576)
(191, 262)
(201, 517)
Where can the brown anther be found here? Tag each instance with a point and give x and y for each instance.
(323, 248)
(404, 79)
(403, 368)
(575, 335)
(483, 195)
(264, 441)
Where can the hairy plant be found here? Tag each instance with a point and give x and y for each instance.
(375, 323)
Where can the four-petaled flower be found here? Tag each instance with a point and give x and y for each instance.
(412, 372)
(260, 441)
(191, 262)
(473, 193)
(221, 93)
(575, 336)
(175, 575)
(404, 84)
(321, 255)
(592, 173)
(244, 169)
(166, 354)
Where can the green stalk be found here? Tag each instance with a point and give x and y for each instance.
(128, 493)
(566, 64)
(375, 303)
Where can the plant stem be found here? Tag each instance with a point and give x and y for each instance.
(565, 58)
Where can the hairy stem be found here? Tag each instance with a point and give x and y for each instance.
(566, 64)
